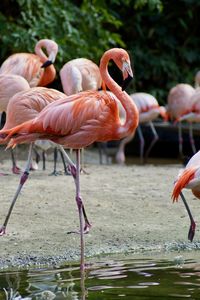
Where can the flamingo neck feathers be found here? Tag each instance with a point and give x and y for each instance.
(40, 52)
(49, 72)
(132, 114)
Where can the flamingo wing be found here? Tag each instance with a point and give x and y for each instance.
(75, 121)
(27, 65)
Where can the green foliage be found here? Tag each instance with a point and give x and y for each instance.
(162, 36)
(79, 30)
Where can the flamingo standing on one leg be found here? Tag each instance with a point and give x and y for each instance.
(36, 68)
(189, 178)
(9, 86)
(149, 110)
(82, 119)
(180, 103)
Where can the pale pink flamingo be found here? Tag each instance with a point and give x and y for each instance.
(180, 103)
(9, 86)
(80, 74)
(36, 68)
(22, 107)
(82, 119)
(189, 178)
(149, 110)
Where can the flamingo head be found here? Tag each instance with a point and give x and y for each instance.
(122, 60)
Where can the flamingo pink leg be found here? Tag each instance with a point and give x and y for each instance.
(15, 168)
(74, 172)
(192, 143)
(191, 232)
(23, 179)
(155, 139)
(180, 139)
(142, 143)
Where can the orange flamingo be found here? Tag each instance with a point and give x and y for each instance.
(36, 68)
(10, 85)
(22, 107)
(180, 103)
(81, 119)
(189, 178)
(149, 110)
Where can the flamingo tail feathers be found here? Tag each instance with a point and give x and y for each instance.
(184, 179)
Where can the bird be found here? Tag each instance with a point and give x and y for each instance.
(193, 116)
(82, 119)
(149, 109)
(189, 178)
(36, 68)
(9, 86)
(180, 103)
(22, 107)
(80, 74)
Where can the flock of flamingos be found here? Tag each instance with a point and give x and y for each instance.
(86, 113)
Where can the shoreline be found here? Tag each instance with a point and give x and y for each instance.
(130, 209)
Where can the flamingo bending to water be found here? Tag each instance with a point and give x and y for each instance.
(36, 68)
(82, 119)
(149, 110)
(189, 178)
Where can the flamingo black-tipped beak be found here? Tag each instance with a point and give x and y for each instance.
(191, 232)
(126, 82)
(46, 64)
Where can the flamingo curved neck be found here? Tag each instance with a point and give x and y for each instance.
(40, 52)
(132, 115)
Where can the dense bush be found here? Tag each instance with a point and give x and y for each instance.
(162, 37)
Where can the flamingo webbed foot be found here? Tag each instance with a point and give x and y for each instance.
(55, 173)
(85, 231)
(16, 170)
(191, 232)
(2, 230)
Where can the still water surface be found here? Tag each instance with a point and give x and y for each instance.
(125, 277)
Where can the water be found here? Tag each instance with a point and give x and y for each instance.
(128, 277)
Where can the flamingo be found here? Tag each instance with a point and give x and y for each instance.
(22, 107)
(189, 178)
(180, 103)
(36, 68)
(80, 74)
(10, 85)
(82, 119)
(193, 116)
(149, 110)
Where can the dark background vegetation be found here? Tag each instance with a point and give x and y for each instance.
(161, 36)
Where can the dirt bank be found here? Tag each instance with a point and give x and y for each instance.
(129, 207)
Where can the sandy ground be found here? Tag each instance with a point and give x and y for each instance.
(130, 209)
